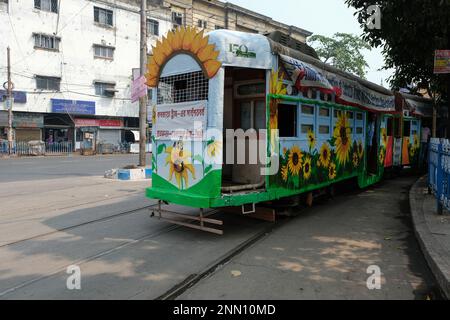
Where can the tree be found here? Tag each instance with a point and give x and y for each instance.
(342, 51)
(410, 33)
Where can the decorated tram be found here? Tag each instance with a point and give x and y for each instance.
(240, 121)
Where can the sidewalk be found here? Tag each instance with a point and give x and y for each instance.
(325, 254)
(433, 232)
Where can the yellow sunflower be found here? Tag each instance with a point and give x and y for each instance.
(284, 173)
(332, 171)
(343, 136)
(307, 168)
(384, 137)
(180, 165)
(360, 150)
(295, 160)
(381, 156)
(355, 160)
(311, 139)
(188, 41)
(214, 149)
(325, 155)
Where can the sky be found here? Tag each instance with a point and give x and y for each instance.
(324, 17)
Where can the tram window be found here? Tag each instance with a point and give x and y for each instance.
(359, 116)
(406, 128)
(350, 115)
(309, 110)
(324, 129)
(324, 112)
(306, 128)
(287, 120)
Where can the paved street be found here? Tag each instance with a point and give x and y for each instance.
(325, 253)
(52, 219)
(25, 169)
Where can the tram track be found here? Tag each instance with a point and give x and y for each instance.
(125, 244)
(193, 279)
(156, 233)
(103, 219)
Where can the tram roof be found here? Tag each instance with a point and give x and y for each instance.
(257, 51)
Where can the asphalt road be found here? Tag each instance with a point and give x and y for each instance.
(27, 169)
(55, 213)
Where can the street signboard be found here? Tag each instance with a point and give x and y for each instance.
(138, 88)
(73, 106)
(9, 102)
(442, 61)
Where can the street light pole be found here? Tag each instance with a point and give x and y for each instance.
(9, 103)
(143, 100)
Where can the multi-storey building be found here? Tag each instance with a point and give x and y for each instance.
(72, 60)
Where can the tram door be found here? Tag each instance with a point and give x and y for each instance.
(251, 118)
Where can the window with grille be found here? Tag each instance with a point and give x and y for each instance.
(46, 5)
(153, 27)
(177, 19)
(105, 89)
(183, 88)
(103, 16)
(48, 83)
(44, 41)
(104, 52)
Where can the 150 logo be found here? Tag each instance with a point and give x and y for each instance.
(242, 51)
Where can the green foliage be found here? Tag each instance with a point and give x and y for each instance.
(343, 51)
(410, 33)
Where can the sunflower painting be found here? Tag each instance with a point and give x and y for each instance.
(343, 139)
(332, 171)
(184, 40)
(413, 149)
(325, 155)
(295, 160)
(307, 169)
(180, 164)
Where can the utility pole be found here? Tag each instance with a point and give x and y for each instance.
(10, 103)
(143, 100)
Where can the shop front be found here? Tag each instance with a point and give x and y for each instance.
(58, 128)
(106, 131)
(28, 126)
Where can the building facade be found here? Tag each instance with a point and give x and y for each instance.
(72, 61)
